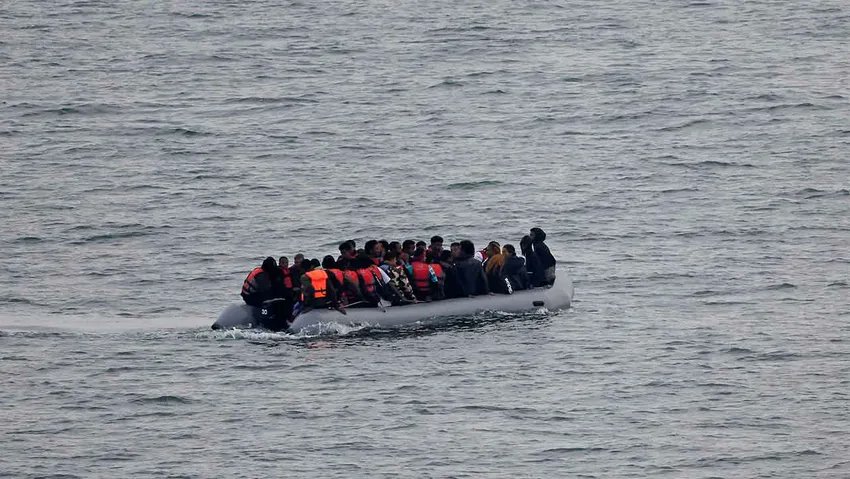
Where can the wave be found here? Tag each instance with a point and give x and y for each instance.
(473, 185)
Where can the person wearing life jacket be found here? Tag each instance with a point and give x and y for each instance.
(264, 289)
(375, 250)
(262, 283)
(347, 253)
(372, 279)
(434, 249)
(407, 249)
(438, 290)
(317, 288)
(283, 264)
(424, 278)
(347, 287)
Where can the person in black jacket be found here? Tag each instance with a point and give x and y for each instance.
(514, 269)
(469, 273)
(532, 264)
(544, 256)
(264, 289)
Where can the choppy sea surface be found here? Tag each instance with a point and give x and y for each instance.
(689, 161)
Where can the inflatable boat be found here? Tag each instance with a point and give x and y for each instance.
(556, 297)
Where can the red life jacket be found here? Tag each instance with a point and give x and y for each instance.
(337, 274)
(421, 278)
(438, 270)
(250, 285)
(377, 261)
(367, 277)
(287, 278)
(351, 281)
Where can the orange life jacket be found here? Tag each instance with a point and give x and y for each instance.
(250, 286)
(421, 278)
(319, 281)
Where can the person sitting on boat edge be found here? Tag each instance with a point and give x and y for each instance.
(493, 269)
(514, 269)
(295, 272)
(451, 288)
(544, 256)
(264, 288)
(434, 249)
(262, 283)
(345, 282)
(438, 290)
(375, 250)
(398, 278)
(347, 254)
(407, 248)
(373, 280)
(532, 263)
(423, 277)
(470, 275)
(318, 289)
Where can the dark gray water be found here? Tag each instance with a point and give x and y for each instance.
(689, 161)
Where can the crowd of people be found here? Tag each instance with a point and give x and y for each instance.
(396, 272)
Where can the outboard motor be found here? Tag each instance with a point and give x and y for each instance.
(276, 314)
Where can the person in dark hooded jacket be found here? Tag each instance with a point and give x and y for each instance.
(532, 264)
(263, 283)
(264, 288)
(514, 269)
(544, 256)
(471, 279)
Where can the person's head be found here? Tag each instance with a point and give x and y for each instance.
(467, 248)
(269, 265)
(353, 244)
(346, 249)
(374, 248)
(363, 260)
(299, 258)
(537, 235)
(315, 263)
(446, 256)
(455, 247)
(493, 248)
(394, 246)
(509, 250)
(328, 262)
(421, 244)
(525, 244)
(436, 243)
(283, 262)
(306, 266)
(391, 257)
(408, 246)
(385, 245)
(418, 255)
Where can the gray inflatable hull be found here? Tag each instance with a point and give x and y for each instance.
(558, 296)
